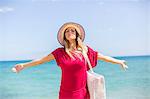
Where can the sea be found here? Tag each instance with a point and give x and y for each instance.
(43, 81)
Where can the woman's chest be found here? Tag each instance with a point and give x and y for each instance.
(78, 63)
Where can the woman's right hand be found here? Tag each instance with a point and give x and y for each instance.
(17, 68)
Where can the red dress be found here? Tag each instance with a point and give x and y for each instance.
(73, 80)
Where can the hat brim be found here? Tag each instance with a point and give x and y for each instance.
(78, 28)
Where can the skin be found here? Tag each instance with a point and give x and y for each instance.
(70, 36)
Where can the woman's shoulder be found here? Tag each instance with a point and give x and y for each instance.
(59, 49)
(90, 49)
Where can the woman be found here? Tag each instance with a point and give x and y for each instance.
(71, 58)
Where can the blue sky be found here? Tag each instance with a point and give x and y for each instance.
(28, 28)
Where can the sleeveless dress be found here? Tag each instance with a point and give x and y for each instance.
(73, 80)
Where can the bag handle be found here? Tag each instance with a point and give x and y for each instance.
(88, 61)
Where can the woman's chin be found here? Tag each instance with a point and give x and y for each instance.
(72, 38)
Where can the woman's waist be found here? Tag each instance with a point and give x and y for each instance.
(73, 89)
(73, 84)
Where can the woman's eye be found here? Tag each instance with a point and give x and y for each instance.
(67, 31)
(72, 30)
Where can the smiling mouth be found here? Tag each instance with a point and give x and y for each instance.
(71, 34)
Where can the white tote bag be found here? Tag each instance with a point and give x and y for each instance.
(95, 83)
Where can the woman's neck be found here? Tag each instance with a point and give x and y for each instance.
(72, 45)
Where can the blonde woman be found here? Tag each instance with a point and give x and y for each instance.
(71, 59)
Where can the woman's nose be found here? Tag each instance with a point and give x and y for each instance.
(69, 31)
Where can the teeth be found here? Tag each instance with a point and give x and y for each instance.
(14, 70)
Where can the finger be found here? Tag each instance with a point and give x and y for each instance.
(18, 68)
(122, 67)
(124, 62)
(14, 69)
(125, 67)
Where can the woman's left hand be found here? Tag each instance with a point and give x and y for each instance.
(123, 64)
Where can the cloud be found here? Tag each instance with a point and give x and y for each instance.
(6, 9)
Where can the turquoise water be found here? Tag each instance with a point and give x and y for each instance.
(42, 81)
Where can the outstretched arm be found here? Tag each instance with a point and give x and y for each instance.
(112, 60)
(19, 67)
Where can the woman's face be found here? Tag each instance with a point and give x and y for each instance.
(70, 33)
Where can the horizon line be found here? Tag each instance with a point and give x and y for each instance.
(111, 56)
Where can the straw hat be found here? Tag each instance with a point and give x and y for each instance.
(78, 28)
